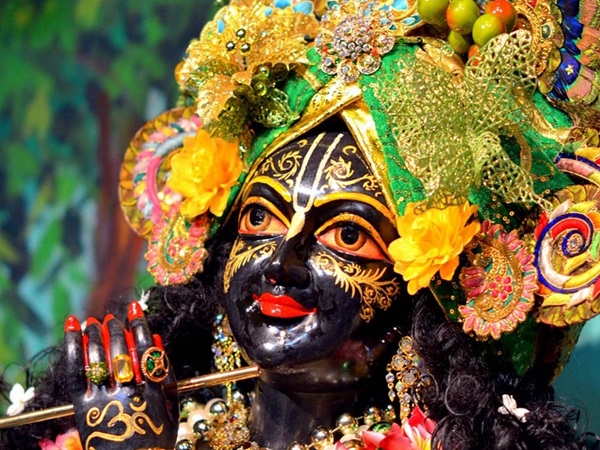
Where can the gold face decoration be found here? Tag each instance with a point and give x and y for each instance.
(310, 263)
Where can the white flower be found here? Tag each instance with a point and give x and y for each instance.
(144, 297)
(18, 399)
(510, 407)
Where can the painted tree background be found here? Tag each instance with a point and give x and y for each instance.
(77, 79)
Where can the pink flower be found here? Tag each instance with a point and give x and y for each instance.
(415, 434)
(66, 441)
(394, 439)
(418, 429)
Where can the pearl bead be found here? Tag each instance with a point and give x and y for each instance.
(184, 444)
(321, 438)
(197, 415)
(371, 415)
(389, 413)
(346, 423)
(185, 431)
(217, 409)
(203, 429)
(238, 397)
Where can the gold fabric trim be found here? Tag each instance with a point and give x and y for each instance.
(362, 126)
(308, 76)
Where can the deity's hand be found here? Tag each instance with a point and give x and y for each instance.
(116, 379)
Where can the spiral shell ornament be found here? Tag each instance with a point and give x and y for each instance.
(567, 258)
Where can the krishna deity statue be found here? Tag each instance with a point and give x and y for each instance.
(386, 209)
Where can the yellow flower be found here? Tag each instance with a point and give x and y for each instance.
(203, 172)
(431, 242)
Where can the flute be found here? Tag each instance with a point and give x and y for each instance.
(187, 385)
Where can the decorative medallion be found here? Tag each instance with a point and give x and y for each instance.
(500, 284)
(354, 35)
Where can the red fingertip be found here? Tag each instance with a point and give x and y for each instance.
(108, 318)
(92, 321)
(86, 359)
(135, 311)
(133, 354)
(106, 340)
(72, 324)
(157, 341)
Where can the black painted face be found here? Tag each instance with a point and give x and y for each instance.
(310, 263)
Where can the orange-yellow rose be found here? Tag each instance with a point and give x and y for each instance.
(203, 172)
(430, 242)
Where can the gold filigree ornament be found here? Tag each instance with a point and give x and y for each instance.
(406, 377)
(499, 284)
(340, 175)
(283, 166)
(367, 283)
(449, 151)
(231, 72)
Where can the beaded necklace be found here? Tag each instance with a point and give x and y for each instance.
(222, 424)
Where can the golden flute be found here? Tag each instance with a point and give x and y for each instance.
(187, 385)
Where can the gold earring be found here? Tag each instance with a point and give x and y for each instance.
(226, 353)
(225, 349)
(406, 377)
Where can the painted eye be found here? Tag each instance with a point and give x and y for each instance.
(256, 219)
(351, 239)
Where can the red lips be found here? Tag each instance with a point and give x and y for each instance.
(281, 306)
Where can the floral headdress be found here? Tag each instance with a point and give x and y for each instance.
(491, 159)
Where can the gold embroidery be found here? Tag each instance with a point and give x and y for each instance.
(283, 168)
(132, 422)
(240, 256)
(367, 283)
(503, 262)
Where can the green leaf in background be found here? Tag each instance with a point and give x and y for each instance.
(39, 113)
(86, 13)
(61, 308)
(22, 165)
(48, 246)
(67, 181)
(9, 255)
